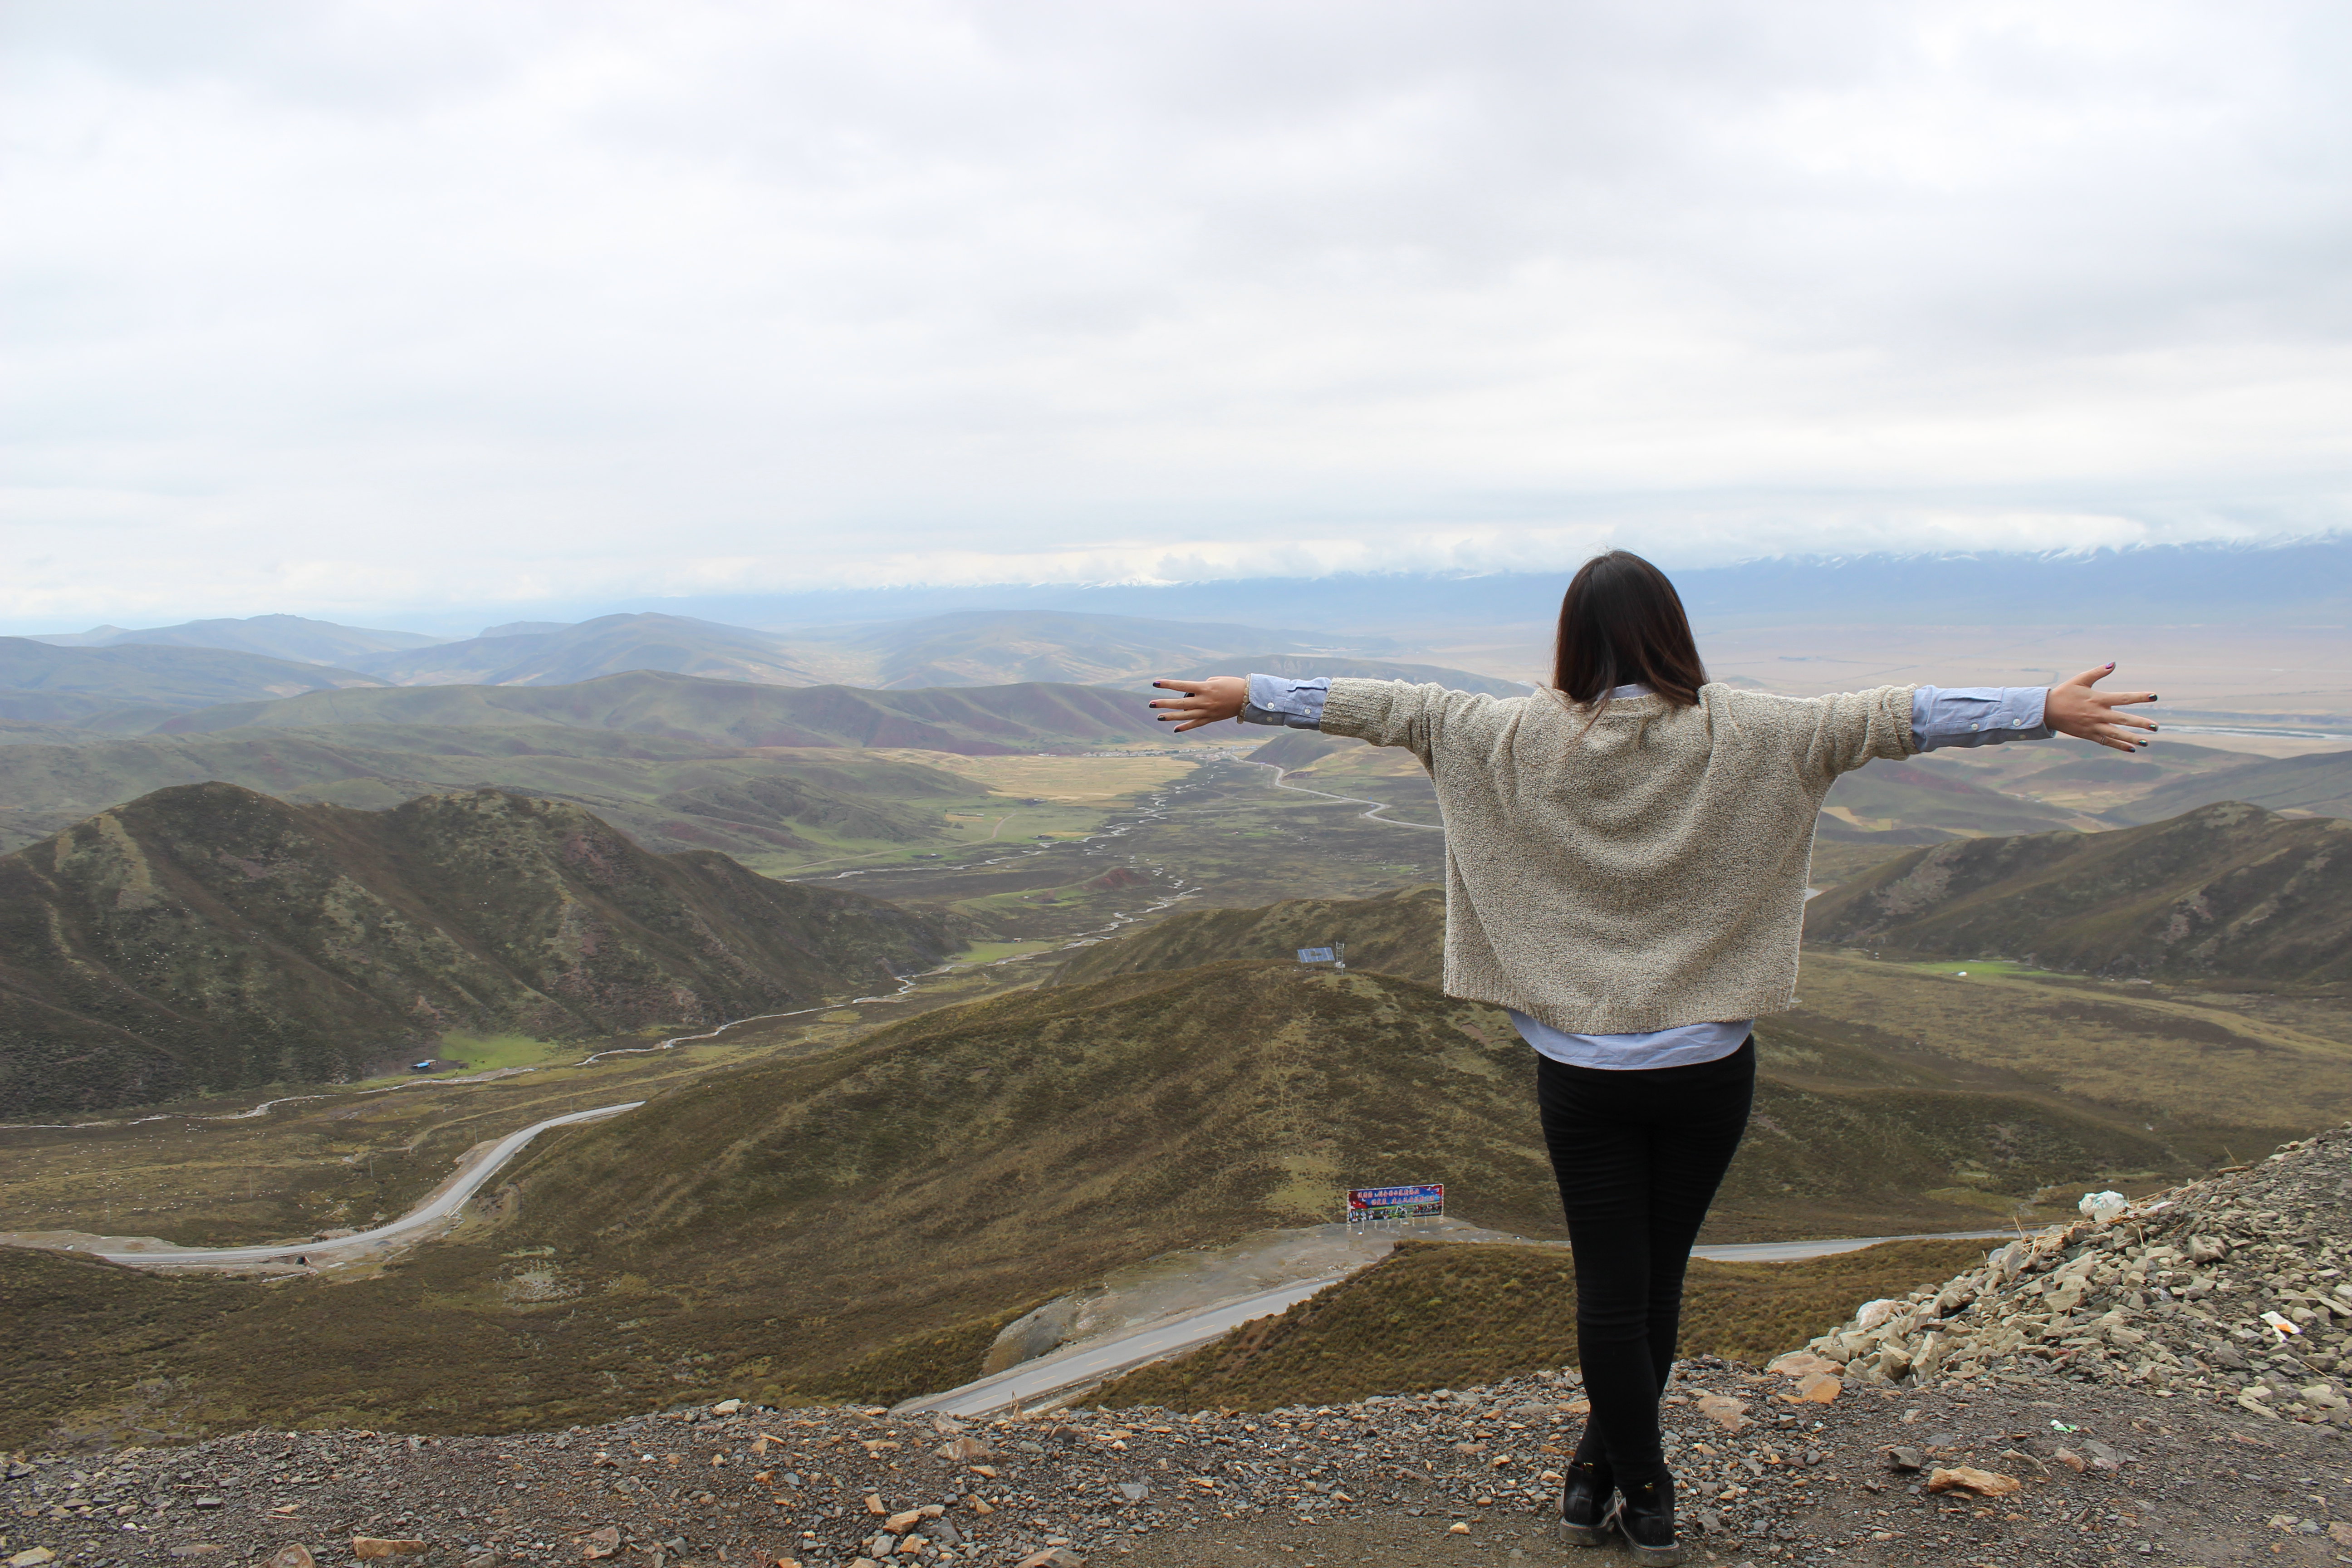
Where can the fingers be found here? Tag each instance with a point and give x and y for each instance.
(2115, 740)
(2091, 676)
(1190, 687)
(1184, 712)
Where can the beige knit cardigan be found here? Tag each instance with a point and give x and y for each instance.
(1643, 874)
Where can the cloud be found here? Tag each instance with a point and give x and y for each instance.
(344, 307)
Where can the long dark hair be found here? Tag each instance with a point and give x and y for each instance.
(1621, 622)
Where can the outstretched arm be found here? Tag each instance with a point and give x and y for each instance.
(1263, 699)
(2072, 708)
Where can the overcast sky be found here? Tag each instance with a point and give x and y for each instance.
(360, 309)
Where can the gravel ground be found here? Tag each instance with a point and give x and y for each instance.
(1405, 1480)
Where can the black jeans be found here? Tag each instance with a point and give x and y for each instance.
(1639, 1155)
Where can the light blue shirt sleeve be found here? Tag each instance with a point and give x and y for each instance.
(1275, 701)
(1978, 715)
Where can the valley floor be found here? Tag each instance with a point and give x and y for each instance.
(1436, 1479)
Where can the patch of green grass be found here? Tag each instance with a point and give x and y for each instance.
(486, 1053)
(992, 951)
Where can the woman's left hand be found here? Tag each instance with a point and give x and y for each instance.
(2071, 708)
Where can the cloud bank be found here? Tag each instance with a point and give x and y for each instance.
(345, 306)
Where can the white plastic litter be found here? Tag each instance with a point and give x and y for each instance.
(2104, 1206)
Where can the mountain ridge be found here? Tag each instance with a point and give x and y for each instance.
(2228, 890)
(206, 937)
(295, 637)
(607, 645)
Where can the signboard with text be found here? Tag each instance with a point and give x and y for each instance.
(1369, 1204)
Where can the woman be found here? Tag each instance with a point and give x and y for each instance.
(1625, 863)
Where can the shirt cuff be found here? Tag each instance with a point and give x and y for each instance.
(1978, 715)
(1275, 700)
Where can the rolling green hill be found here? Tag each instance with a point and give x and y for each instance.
(609, 644)
(1400, 934)
(82, 682)
(2091, 1073)
(2320, 784)
(2226, 891)
(973, 720)
(207, 937)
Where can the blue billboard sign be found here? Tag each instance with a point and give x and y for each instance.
(1318, 955)
(1425, 1201)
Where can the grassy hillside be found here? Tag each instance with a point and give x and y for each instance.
(2320, 784)
(2227, 890)
(609, 644)
(1433, 1314)
(1065, 1113)
(1398, 934)
(975, 721)
(97, 680)
(1893, 1065)
(207, 937)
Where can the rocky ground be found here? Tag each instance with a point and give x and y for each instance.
(2234, 1288)
(1465, 1476)
(2076, 1401)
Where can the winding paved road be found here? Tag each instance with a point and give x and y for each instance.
(1372, 816)
(1098, 1361)
(440, 1205)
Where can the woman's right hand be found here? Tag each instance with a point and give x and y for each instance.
(2071, 708)
(1203, 702)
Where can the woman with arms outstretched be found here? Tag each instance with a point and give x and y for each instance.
(1625, 864)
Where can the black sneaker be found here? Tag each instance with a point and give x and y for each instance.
(1584, 1504)
(1644, 1515)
